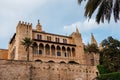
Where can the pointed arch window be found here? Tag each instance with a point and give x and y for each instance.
(41, 49)
(58, 51)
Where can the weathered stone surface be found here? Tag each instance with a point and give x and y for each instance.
(3, 54)
(17, 70)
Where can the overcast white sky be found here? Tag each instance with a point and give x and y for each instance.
(59, 17)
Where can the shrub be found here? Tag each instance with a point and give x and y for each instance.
(102, 69)
(109, 76)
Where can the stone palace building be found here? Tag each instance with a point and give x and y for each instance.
(49, 48)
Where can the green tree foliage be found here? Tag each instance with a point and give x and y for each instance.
(109, 76)
(101, 69)
(27, 44)
(91, 48)
(110, 54)
(105, 9)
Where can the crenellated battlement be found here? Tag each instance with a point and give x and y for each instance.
(24, 23)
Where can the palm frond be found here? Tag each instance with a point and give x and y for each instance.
(91, 7)
(105, 9)
(100, 14)
(116, 10)
(26, 42)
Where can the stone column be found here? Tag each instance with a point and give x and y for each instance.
(61, 52)
(55, 51)
(50, 52)
(38, 51)
(71, 53)
(44, 51)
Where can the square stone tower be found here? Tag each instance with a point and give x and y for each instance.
(16, 49)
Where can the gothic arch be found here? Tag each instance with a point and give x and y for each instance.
(41, 48)
(73, 52)
(58, 51)
(47, 49)
(68, 52)
(35, 48)
(53, 50)
(64, 51)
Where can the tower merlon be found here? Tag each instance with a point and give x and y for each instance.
(24, 23)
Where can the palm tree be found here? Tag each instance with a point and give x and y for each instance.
(105, 9)
(27, 44)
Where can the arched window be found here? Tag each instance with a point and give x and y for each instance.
(41, 49)
(58, 51)
(73, 52)
(47, 49)
(35, 48)
(68, 52)
(53, 50)
(64, 51)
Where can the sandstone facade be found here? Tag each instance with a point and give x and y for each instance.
(48, 46)
(52, 56)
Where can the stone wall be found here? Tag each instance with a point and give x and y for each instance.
(3, 53)
(21, 70)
